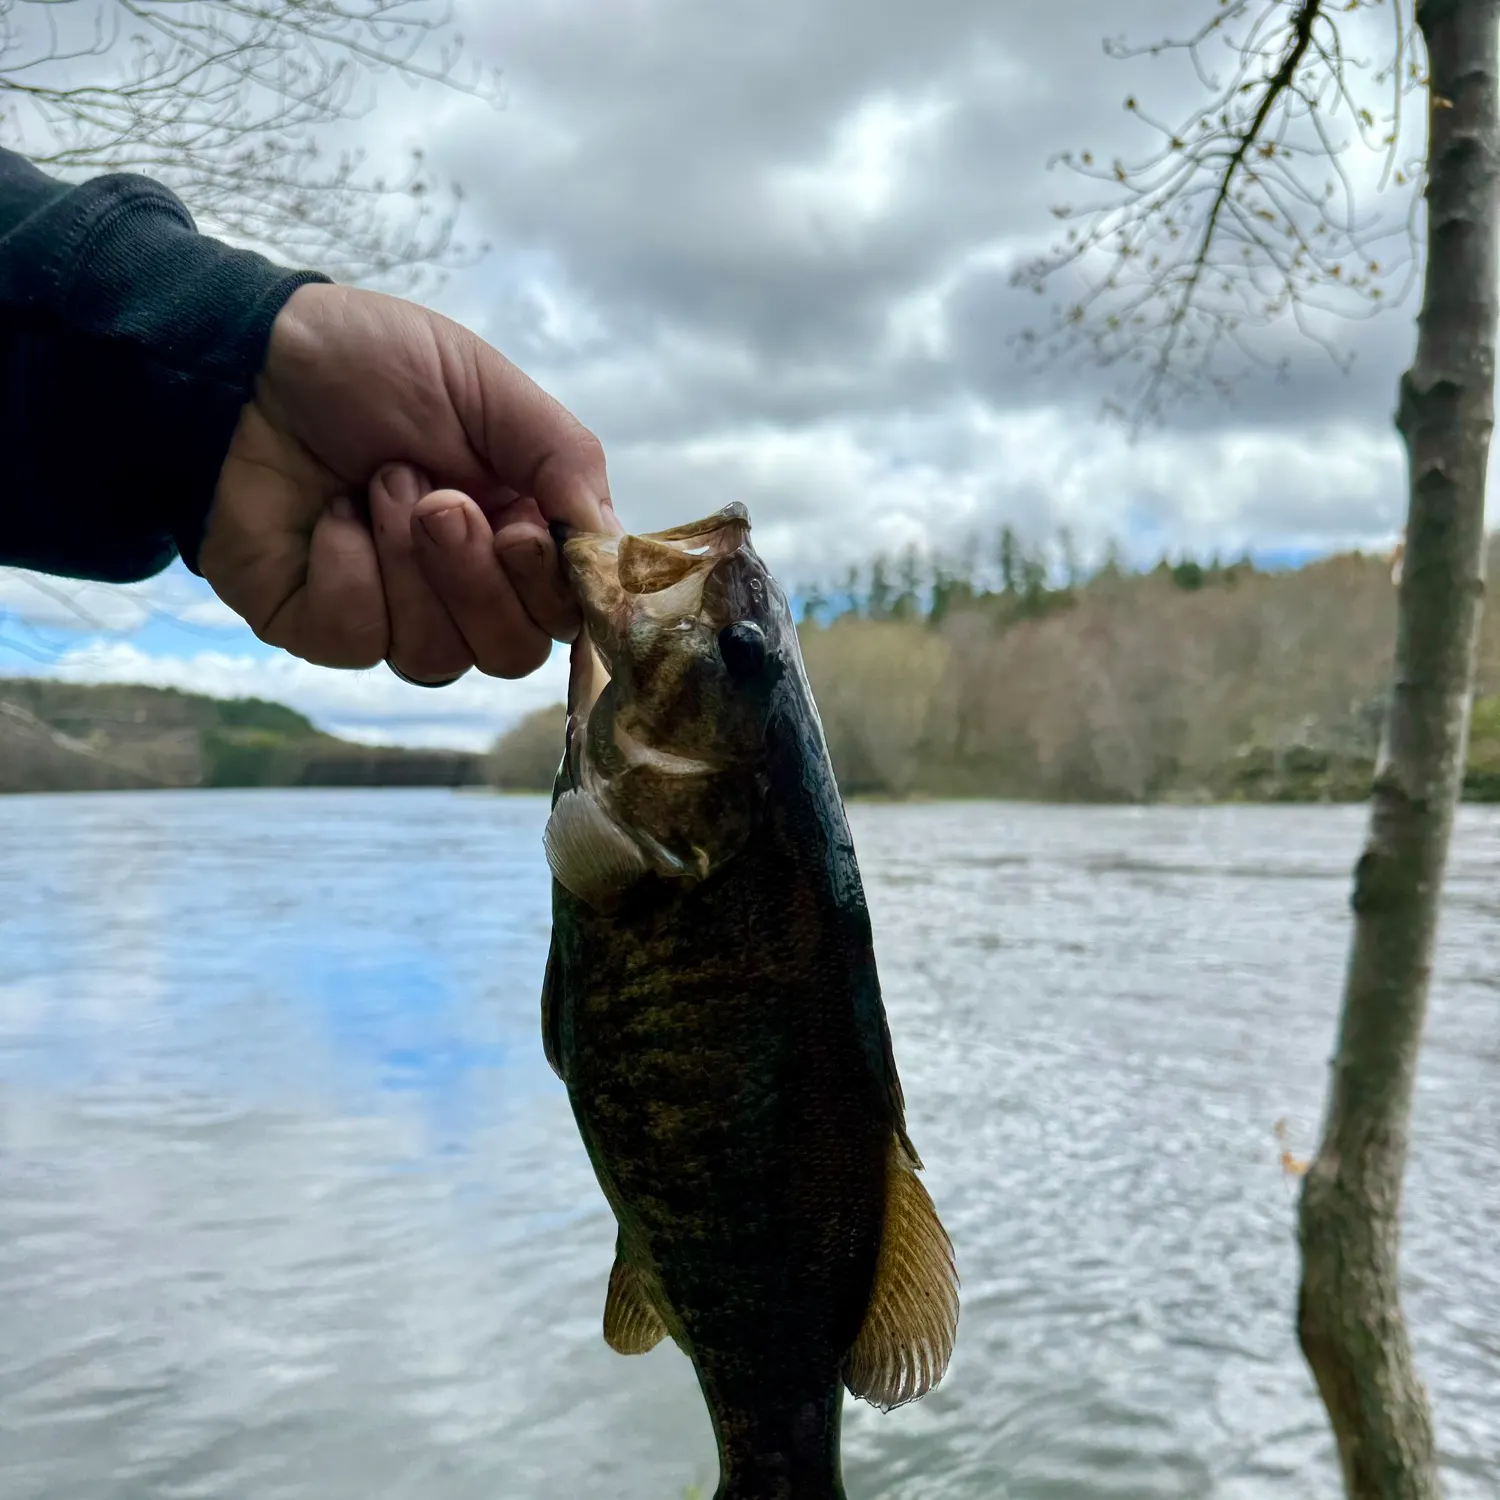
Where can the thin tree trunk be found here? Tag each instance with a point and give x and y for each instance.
(1349, 1315)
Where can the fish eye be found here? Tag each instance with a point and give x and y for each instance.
(743, 649)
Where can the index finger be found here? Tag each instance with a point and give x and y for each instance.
(532, 443)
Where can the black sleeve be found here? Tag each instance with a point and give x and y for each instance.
(128, 344)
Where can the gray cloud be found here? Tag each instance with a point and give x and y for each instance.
(723, 228)
(765, 251)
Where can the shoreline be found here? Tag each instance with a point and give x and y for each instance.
(853, 799)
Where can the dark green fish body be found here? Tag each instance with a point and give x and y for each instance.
(712, 1004)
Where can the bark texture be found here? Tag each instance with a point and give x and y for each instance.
(1350, 1319)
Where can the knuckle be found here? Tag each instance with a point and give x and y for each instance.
(342, 656)
(519, 655)
(575, 451)
(351, 643)
(356, 652)
(587, 449)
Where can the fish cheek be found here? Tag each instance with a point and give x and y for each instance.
(703, 820)
(687, 700)
(598, 733)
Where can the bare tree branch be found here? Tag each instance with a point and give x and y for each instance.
(238, 105)
(1243, 224)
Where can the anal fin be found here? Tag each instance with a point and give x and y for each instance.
(907, 1337)
(632, 1324)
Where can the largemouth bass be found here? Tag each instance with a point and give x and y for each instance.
(712, 1004)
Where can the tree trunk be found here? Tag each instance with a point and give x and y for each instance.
(1349, 1314)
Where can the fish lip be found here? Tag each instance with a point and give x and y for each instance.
(591, 561)
(733, 517)
(729, 527)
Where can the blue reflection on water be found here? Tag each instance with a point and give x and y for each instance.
(389, 961)
(292, 1207)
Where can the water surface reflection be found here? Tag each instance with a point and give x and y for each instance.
(291, 1206)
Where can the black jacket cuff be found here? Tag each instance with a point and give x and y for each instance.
(129, 344)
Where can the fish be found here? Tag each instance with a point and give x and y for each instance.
(712, 1005)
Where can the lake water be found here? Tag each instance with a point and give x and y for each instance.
(291, 1207)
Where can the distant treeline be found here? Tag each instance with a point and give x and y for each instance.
(63, 736)
(1016, 673)
(1007, 575)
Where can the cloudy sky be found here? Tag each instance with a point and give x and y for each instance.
(764, 251)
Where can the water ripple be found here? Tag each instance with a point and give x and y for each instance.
(291, 1206)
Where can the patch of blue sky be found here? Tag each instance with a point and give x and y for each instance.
(1285, 559)
(165, 636)
(36, 651)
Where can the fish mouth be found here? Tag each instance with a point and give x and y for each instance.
(656, 575)
(648, 562)
(621, 577)
(688, 535)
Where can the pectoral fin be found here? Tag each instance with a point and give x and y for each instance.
(589, 854)
(906, 1342)
(632, 1324)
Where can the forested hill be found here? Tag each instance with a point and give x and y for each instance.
(60, 736)
(1192, 681)
(1197, 680)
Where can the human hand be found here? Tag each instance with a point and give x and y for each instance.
(457, 460)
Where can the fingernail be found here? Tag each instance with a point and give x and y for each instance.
(404, 484)
(527, 553)
(341, 508)
(448, 527)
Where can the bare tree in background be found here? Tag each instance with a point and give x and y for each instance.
(240, 106)
(1246, 223)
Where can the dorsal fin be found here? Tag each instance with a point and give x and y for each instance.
(632, 1324)
(907, 1338)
